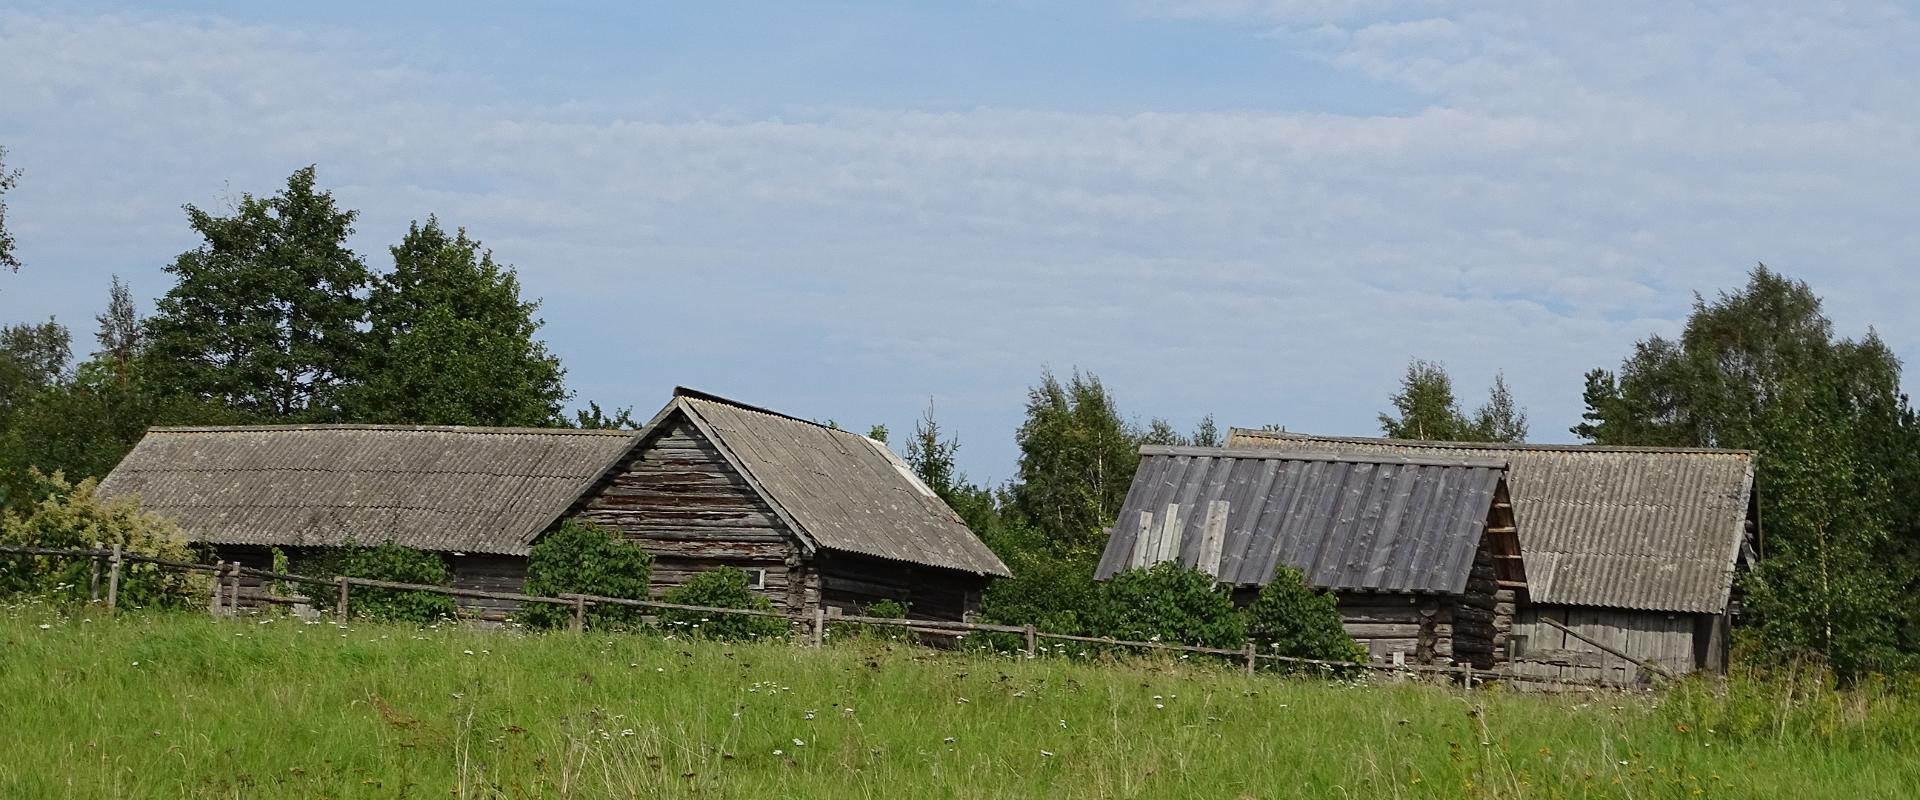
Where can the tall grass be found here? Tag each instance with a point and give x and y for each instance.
(183, 706)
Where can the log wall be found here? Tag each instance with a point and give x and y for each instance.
(850, 583)
(694, 512)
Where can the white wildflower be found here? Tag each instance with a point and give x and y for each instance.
(799, 743)
(45, 627)
(1046, 753)
(779, 752)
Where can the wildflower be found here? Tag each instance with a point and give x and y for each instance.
(779, 752)
(468, 652)
(136, 663)
(1046, 754)
(45, 627)
(799, 743)
(659, 669)
(948, 740)
(627, 732)
(808, 715)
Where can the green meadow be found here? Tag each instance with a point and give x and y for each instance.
(170, 706)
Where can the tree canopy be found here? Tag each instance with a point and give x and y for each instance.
(1425, 408)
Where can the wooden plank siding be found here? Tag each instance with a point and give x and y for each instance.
(685, 504)
(1680, 643)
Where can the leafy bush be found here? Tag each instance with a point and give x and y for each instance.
(1168, 603)
(69, 516)
(387, 562)
(883, 609)
(1291, 619)
(1054, 593)
(583, 558)
(725, 587)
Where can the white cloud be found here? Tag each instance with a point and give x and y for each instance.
(1570, 181)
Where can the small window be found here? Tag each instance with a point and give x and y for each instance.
(756, 579)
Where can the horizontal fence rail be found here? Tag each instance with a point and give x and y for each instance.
(228, 597)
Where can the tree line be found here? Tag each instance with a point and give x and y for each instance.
(273, 319)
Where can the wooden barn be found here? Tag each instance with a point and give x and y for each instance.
(1421, 552)
(815, 516)
(1631, 548)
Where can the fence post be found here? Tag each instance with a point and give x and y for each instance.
(218, 599)
(93, 583)
(819, 625)
(579, 614)
(1033, 641)
(340, 606)
(1248, 651)
(233, 588)
(113, 579)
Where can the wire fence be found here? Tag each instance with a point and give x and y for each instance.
(227, 597)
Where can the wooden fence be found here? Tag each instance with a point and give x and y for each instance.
(227, 596)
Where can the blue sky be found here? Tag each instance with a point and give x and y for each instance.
(1256, 208)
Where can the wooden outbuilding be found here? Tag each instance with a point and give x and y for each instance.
(817, 517)
(1631, 551)
(1420, 552)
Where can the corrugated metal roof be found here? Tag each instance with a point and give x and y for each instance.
(1656, 529)
(1349, 522)
(479, 490)
(843, 491)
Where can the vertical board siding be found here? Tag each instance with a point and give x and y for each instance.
(1667, 639)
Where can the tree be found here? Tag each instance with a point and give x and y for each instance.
(8, 180)
(452, 342)
(1169, 603)
(1427, 410)
(1077, 458)
(1501, 419)
(65, 515)
(33, 358)
(122, 335)
(265, 316)
(595, 418)
(932, 456)
(1426, 406)
(1761, 369)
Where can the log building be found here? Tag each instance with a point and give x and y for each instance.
(1633, 548)
(1420, 552)
(815, 516)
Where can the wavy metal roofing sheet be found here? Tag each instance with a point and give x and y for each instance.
(1655, 529)
(480, 490)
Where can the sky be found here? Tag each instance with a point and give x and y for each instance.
(1258, 209)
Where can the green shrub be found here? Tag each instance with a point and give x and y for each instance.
(1291, 619)
(69, 516)
(725, 587)
(387, 562)
(1054, 593)
(883, 609)
(583, 558)
(1168, 603)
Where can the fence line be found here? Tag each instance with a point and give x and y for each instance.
(815, 621)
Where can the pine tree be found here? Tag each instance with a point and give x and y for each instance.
(122, 335)
(452, 342)
(265, 315)
(932, 456)
(1501, 419)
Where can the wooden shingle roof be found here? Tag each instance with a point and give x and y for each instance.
(1355, 522)
(1656, 529)
(455, 489)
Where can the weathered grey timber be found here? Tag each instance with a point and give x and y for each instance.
(1635, 547)
(816, 515)
(1420, 551)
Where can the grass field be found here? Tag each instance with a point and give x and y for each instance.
(183, 706)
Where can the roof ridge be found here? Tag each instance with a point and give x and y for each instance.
(356, 426)
(1282, 454)
(1454, 445)
(682, 391)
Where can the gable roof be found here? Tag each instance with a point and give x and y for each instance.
(838, 490)
(1654, 529)
(1369, 522)
(455, 489)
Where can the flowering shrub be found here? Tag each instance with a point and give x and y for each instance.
(583, 558)
(725, 587)
(69, 516)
